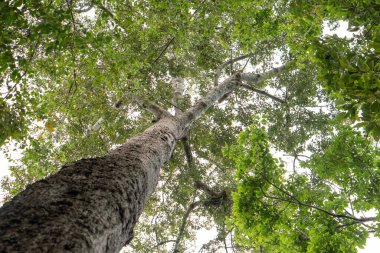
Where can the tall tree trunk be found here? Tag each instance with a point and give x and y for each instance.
(92, 205)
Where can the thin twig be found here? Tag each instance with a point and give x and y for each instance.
(247, 87)
(74, 83)
(111, 15)
(296, 201)
(165, 48)
(162, 243)
(184, 220)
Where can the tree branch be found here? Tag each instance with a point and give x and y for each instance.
(251, 78)
(184, 220)
(214, 198)
(83, 8)
(178, 87)
(187, 149)
(202, 186)
(218, 71)
(153, 108)
(227, 86)
(296, 201)
(165, 48)
(110, 14)
(247, 87)
(162, 243)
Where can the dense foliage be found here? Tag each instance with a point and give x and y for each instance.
(313, 207)
(72, 73)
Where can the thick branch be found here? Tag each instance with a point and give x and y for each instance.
(96, 126)
(187, 149)
(201, 186)
(151, 107)
(251, 78)
(215, 198)
(178, 87)
(209, 99)
(239, 58)
(218, 71)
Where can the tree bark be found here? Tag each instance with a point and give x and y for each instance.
(92, 205)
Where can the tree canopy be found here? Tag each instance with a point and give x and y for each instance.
(76, 76)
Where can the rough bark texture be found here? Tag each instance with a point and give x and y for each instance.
(91, 205)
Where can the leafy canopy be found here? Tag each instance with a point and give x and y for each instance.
(70, 71)
(310, 209)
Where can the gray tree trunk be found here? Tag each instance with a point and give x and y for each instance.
(92, 205)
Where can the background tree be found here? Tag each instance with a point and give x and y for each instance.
(74, 73)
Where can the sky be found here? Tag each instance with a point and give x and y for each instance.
(4, 165)
(203, 236)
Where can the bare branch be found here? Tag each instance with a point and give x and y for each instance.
(178, 87)
(165, 48)
(184, 220)
(202, 186)
(218, 71)
(162, 243)
(247, 87)
(209, 99)
(225, 245)
(83, 9)
(151, 107)
(251, 78)
(296, 201)
(257, 78)
(211, 246)
(187, 149)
